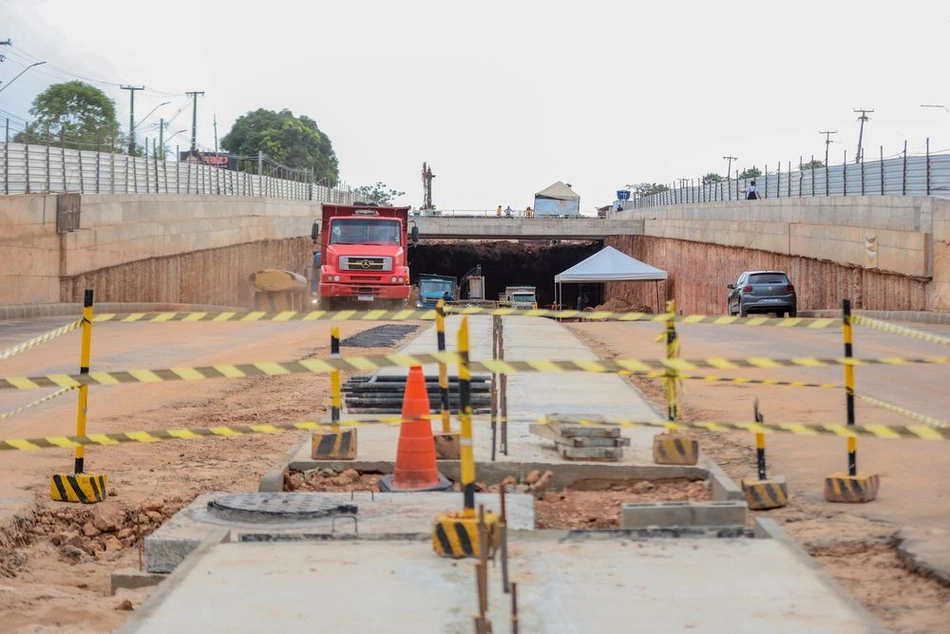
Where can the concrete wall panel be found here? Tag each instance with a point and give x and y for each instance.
(699, 273)
(210, 276)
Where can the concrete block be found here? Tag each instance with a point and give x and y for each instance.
(681, 514)
(761, 495)
(728, 513)
(646, 514)
(447, 446)
(675, 449)
(130, 579)
(591, 453)
(333, 445)
(848, 489)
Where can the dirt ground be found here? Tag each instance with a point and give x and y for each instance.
(853, 542)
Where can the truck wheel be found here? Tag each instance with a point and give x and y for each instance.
(323, 303)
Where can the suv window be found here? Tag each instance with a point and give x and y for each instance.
(768, 278)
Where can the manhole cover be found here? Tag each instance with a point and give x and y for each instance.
(269, 507)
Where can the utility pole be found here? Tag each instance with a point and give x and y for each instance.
(7, 42)
(827, 134)
(161, 138)
(864, 117)
(132, 90)
(194, 117)
(729, 165)
(215, 133)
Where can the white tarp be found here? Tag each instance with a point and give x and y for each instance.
(609, 265)
(558, 191)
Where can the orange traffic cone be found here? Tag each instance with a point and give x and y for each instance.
(415, 468)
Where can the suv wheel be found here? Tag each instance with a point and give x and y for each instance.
(742, 311)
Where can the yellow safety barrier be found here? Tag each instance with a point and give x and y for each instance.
(35, 341)
(899, 330)
(372, 363)
(48, 397)
(927, 420)
(429, 315)
(888, 432)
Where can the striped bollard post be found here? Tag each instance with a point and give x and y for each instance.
(851, 487)
(673, 448)
(763, 493)
(446, 441)
(335, 442)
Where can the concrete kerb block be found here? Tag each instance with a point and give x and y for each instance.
(722, 486)
(675, 449)
(131, 579)
(640, 515)
(848, 489)
(273, 480)
(761, 495)
(333, 444)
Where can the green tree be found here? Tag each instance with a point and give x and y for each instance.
(380, 193)
(76, 115)
(294, 141)
(712, 177)
(751, 172)
(811, 165)
(646, 189)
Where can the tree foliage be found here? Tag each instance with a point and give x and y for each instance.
(751, 172)
(294, 141)
(811, 165)
(380, 193)
(646, 189)
(73, 114)
(712, 177)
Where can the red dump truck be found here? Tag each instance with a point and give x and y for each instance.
(364, 257)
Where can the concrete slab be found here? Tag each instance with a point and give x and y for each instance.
(377, 515)
(608, 585)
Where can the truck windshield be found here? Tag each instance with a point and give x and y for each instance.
(436, 287)
(523, 298)
(365, 231)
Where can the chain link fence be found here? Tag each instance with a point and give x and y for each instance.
(31, 169)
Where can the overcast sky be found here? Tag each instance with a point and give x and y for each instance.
(504, 98)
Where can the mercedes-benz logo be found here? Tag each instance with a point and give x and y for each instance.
(365, 264)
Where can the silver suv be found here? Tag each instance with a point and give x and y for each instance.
(762, 292)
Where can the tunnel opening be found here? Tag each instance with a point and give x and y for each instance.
(509, 263)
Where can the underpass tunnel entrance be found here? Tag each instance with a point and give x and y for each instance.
(509, 263)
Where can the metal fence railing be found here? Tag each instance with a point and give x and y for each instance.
(904, 175)
(26, 169)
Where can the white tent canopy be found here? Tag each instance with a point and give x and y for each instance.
(610, 265)
(607, 265)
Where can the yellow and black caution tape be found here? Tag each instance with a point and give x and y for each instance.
(372, 363)
(899, 330)
(48, 397)
(927, 420)
(723, 379)
(403, 315)
(35, 341)
(919, 432)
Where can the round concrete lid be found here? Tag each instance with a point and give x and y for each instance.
(269, 507)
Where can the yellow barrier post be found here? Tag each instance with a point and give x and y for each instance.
(853, 486)
(670, 448)
(457, 534)
(335, 443)
(80, 486)
(763, 493)
(446, 442)
(336, 401)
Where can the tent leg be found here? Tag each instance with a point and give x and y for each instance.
(656, 286)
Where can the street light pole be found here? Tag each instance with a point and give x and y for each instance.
(7, 85)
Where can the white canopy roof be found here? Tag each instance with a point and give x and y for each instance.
(558, 191)
(610, 265)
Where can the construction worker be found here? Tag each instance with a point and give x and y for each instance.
(498, 211)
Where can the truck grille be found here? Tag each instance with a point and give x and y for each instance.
(355, 263)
